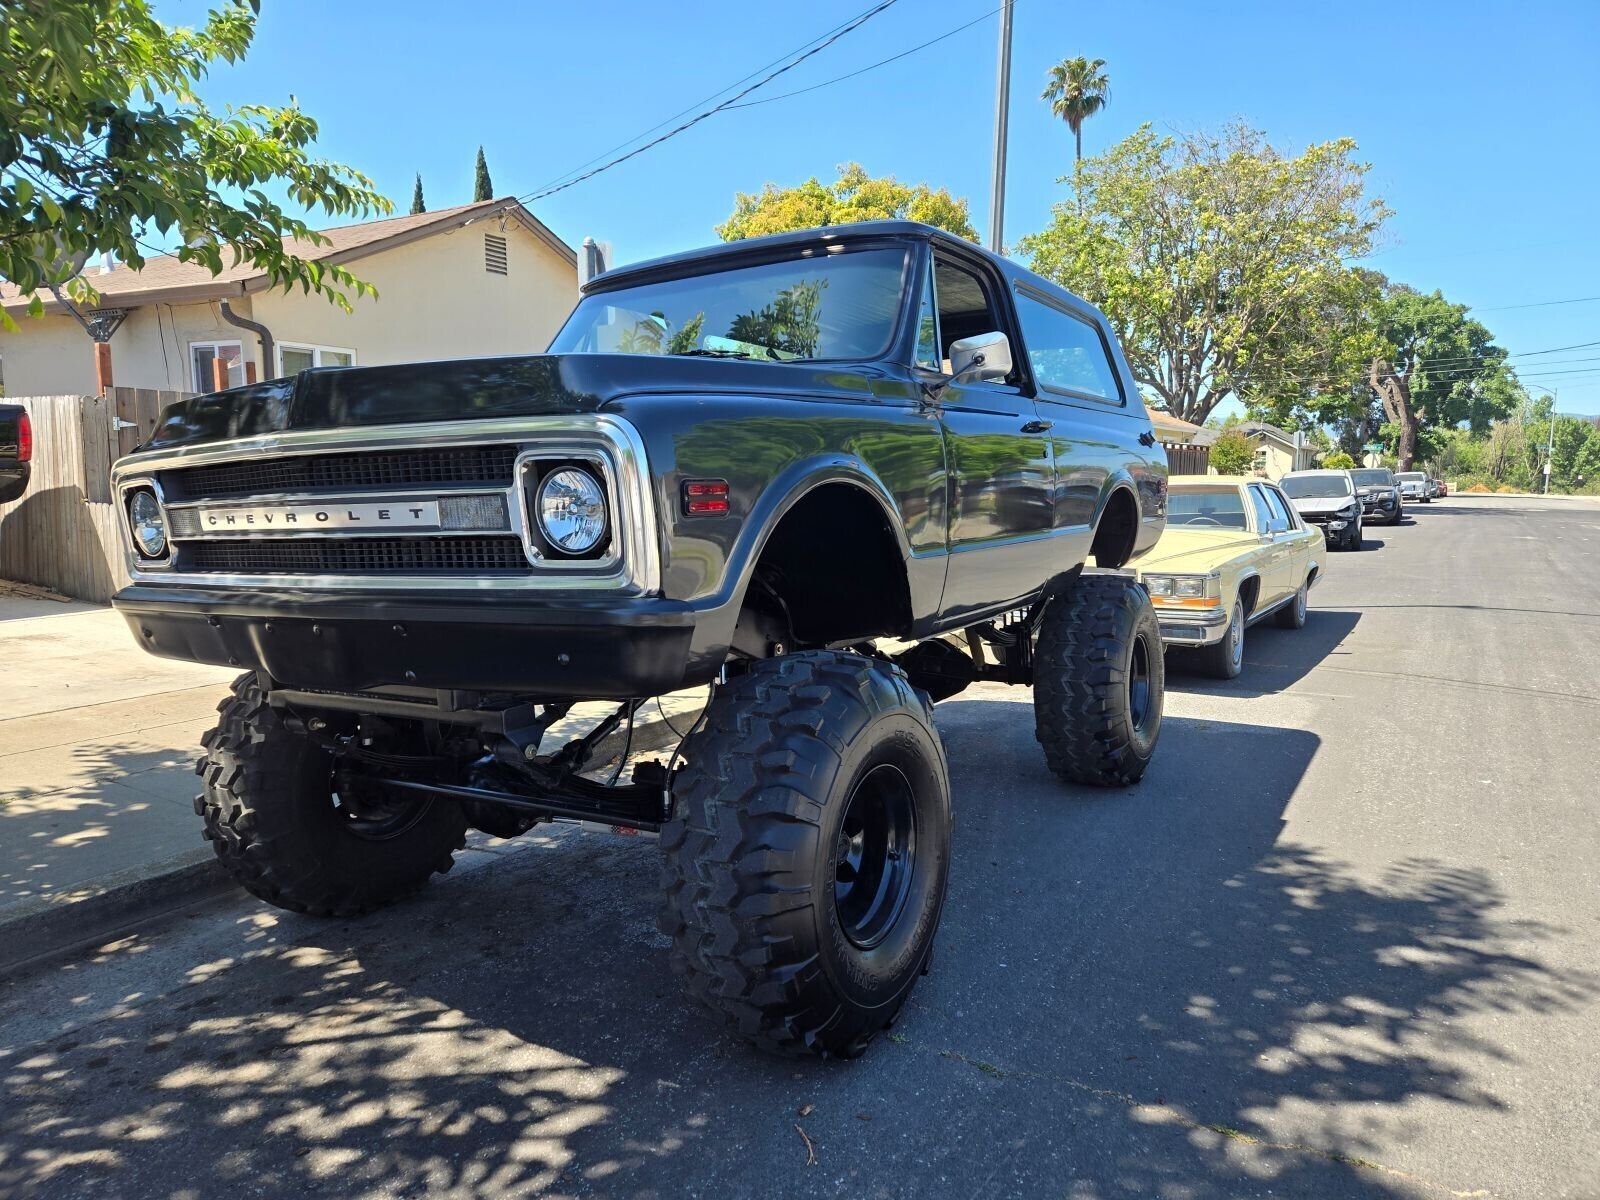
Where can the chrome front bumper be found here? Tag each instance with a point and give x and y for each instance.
(1192, 628)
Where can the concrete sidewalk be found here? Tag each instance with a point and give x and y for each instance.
(98, 742)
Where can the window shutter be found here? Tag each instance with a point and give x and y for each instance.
(494, 254)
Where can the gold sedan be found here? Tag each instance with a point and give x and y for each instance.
(1234, 552)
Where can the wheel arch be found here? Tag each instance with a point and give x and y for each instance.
(1116, 523)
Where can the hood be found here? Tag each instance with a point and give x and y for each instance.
(1185, 549)
(534, 385)
(1322, 504)
(1372, 489)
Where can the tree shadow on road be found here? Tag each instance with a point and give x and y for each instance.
(1145, 993)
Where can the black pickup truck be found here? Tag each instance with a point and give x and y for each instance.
(837, 475)
(16, 451)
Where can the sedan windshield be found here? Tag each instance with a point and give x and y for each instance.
(1218, 507)
(1375, 477)
(1412, 477)
(831, 306)
(1315, 487)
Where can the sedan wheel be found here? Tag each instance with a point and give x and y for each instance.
(1225, 659)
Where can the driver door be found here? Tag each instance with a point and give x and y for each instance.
(1002, 479)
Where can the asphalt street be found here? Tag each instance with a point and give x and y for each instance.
(1340, 942)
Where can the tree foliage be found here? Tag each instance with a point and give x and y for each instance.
(1233, 453)
(854, 196)
(102, 138)
(1338, 460)
(1077, 89)
(482, 186)
(1435, 368)
(1223, 264)
(417, 203)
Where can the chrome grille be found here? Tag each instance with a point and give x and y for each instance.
(423, 467)
(315, 556)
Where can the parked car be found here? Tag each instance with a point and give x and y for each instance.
(1444, 488)
(1234, 552)
(1414, 485)
(1327, 500)
(1434, 487)
(16, 451)
(738, 466)
(1380, 495)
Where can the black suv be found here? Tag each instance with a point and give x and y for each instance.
(742, 466)
(1380, 495)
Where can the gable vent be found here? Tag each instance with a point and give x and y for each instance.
(494, 254)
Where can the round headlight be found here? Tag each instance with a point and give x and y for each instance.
(149, 525)
(572, 510)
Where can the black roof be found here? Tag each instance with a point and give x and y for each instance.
(689, 261)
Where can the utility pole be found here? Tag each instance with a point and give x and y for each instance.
(1002, 106)
(1550, 445)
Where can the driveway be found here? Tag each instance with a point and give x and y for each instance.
(1339, 943)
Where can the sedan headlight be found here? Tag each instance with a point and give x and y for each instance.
(571, 509)
(1178, 587)
(148, 523)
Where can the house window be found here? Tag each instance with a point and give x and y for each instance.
(294, 358)
(1261, 460)
(203, 356)
(494, 254)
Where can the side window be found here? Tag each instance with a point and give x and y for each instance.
(965, 306)
(1280, 510)
(1067, 352)
(928, 349)
(1263, 513)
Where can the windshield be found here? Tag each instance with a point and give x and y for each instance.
(1375, 477)
(1412, 477)
(1315, 487)
(830, 306)
(1206, 508)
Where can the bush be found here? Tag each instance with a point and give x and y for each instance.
(1338, 461)
(1233, 453)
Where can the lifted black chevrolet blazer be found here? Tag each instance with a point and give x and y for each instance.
(837, 475)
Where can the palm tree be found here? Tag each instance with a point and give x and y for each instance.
(1077, 90)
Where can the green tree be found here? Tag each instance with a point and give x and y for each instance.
(854, 196)
(103, 139)
(1077, 89)
(1338, 460)
(1223, 264)
(417, 206)
(1233, 453)
(1437, 368)
(482, 188)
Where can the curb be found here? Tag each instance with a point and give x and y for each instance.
(34, 933)
(50, 930)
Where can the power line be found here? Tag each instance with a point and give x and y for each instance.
(728, 103)
(883, 62)
(691, 108)
(1541, 304)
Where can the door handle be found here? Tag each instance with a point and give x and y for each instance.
(1038, 426)
(1147, 438)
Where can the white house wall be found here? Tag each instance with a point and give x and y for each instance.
(435, 300)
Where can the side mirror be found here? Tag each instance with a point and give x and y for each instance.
(985, 358)
(1277, 525)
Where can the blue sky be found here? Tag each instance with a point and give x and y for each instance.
(1479, 119)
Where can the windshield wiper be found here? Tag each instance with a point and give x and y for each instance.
(702, 352)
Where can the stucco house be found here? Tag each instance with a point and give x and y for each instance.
(479, 279)
(1277, 451)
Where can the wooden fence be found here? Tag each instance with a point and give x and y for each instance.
(1187, 459)
(64, 532)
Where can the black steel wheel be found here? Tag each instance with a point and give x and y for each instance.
(1099, 680)
(298, 832)
(807, 854)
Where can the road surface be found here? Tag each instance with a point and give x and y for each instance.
(1340, 942)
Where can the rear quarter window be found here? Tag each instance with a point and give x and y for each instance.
(1066, 352)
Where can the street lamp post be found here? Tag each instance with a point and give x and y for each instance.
(1002, 105)
(1550, 444)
